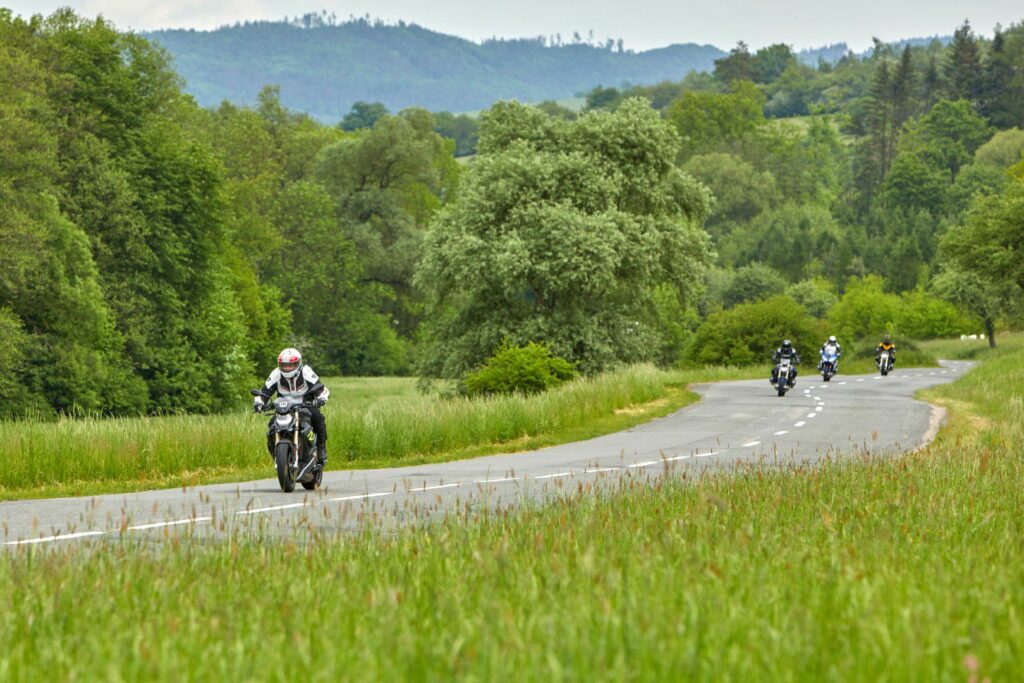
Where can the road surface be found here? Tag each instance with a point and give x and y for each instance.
(734, 423)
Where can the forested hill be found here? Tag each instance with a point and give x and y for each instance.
(325, 68)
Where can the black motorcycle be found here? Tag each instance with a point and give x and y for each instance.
(292, 443)
(784, 375)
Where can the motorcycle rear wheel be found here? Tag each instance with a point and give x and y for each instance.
(282, 458)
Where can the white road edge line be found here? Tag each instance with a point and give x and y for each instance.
(361, 496)
(600, 469)
(495, 481)
(157, 525)
(645, 463)
(272, 508)
(58, 537)
(434, 488)
(552, 476)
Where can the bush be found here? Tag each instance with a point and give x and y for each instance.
(865, 310)
(749, 333)
(524, 369)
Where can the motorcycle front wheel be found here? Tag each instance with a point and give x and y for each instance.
(282, 458)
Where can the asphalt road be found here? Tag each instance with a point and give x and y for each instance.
(734, 423)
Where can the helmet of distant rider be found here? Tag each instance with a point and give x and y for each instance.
(887, 338)
(289, 362)
(832, 339)
(786, 344)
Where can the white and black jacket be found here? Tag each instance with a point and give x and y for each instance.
(305, 385)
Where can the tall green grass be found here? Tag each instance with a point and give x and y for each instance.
(371, 422)
(901, 569)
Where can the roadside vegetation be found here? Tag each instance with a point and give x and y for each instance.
(373, 422)
(905, 568)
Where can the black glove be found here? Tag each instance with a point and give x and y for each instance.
(319, 401)
(257, 405)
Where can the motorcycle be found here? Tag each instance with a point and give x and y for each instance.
(829, 364)
(784, 376)
(884, 362)
(292, 443)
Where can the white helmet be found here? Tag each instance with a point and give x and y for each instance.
(832, 339)
(289, 362)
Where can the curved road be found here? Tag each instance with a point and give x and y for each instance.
(735, 422)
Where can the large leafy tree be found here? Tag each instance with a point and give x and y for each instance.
(561, 234)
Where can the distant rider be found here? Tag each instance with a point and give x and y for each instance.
(831, 347)
(886, 345)
(784, 351)
(294, 379)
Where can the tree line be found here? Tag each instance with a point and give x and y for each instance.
(158, 254)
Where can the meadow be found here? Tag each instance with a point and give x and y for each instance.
(372, 422)
(864, 569)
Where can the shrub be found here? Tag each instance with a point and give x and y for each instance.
(749, 333)
(524, 369)
(865, 310)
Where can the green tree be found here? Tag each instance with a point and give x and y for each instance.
(754, 282)
(707, 120)
(749, 333)
(560, 236)
(363, 115)
(985, 299)
(963, 66)
(737, 66)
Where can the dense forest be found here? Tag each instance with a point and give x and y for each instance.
(157, 254)
(323, 66)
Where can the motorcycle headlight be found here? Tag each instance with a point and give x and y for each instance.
(284, 421)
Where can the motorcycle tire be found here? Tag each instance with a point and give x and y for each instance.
(282, 458)
(782, 389)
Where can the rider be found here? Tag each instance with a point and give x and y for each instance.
(293, 378)
(784, 351)
(886, 345)
(831, 346)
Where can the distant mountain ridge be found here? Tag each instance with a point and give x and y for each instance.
(324, 69)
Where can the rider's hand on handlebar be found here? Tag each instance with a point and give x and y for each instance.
(257, 405)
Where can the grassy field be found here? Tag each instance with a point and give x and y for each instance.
(905, 569)
(371, 423)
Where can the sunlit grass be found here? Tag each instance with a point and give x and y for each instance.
(901, 569)
(371, 423)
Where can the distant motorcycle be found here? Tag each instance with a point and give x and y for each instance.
(829, 364)
(884, 362)
(784, 376)
(291, 441)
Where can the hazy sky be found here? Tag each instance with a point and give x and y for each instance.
(642, 24)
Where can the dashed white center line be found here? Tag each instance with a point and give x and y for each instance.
(157, 525)
(799, 424)
(812, 415)
(57, 537)
(819, 409)
(861, 380)
(645, 463)
(750, 443)
(780, 433)
(842, 383)
(552, 476)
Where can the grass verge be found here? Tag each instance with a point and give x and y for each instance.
(371, 423)
(901, 569)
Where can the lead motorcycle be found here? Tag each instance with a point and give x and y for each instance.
(884, 362)
(292, 443)
(784, 376)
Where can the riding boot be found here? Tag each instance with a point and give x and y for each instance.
(321, 454)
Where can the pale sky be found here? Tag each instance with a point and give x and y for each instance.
(642, 24)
